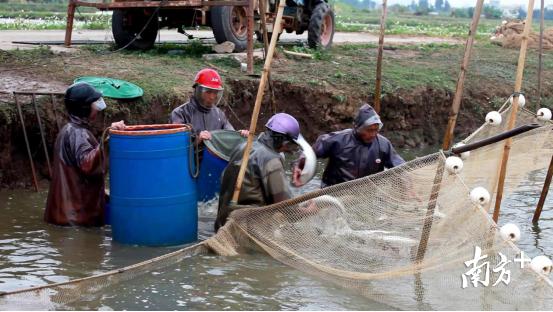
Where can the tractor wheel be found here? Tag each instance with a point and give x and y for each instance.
(126, 26)
(321, 27)
(230, 24)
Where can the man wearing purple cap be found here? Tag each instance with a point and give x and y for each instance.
(265, 181)
(355, 153)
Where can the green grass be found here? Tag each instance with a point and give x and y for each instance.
(40, 20)
(350, 19)
(346, 69)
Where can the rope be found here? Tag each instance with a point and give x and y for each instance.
(193, 159)
(235, 115)
(103, 139)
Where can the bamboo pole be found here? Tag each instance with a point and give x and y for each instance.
(378, 84)
(260, 92)
(540, 53)
(456, 105)
(544, 192)
(303, 55)
(514, 109)
(437, 184)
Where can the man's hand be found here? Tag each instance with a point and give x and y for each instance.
(204, 135)
(296, 175)
(119, 125)
(244, 133)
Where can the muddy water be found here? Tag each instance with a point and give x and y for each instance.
(33, 253)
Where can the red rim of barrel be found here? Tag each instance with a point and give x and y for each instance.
(152, 129)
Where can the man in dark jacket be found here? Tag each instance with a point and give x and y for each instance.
(355, 153)
(202, 111)
(265, 180)
(76, 195)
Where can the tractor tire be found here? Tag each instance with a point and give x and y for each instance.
(230, 24)
(321, 27)
(126, 26)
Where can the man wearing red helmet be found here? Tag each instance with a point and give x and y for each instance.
(202, 111)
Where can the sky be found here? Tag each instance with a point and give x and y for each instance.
(465, 3)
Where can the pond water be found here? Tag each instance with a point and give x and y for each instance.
(34, 253)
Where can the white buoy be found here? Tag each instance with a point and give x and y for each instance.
(454, 164)
(521, 100)
(480, 196)
(510, 232)
(542, 264)
(463, 155)
(493, 118)
(544, 114)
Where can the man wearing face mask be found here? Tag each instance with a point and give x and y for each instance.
(265, 181)
(202, 111)
(76, 195)
(355, 153)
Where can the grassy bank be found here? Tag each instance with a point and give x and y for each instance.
(346, 69)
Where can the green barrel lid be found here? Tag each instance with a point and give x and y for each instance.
(113, 88)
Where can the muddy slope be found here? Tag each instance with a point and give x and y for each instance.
(412, 118)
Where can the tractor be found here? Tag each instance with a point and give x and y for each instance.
(137, 28)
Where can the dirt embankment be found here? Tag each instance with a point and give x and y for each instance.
(412, 118)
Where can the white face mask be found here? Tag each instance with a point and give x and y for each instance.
(99, 104)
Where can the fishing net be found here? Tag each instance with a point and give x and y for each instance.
(375, 236)
(223, 142)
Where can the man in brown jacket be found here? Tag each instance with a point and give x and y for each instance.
(76, 195)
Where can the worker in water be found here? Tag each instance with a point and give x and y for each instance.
(354, 153)
(265, 180)
(202, 111)
(76, 195)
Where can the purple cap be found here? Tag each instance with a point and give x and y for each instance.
(284, 124)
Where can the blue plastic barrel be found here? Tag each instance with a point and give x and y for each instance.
(152, 194)
(209, 180)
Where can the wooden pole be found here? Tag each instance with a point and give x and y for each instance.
(69, 25)
(263, 11)
(260, 92)
(378, 84)
(456, 105)
(42, 136)
(249, 52)
(540, 54)
(429, 219)
(35, 180)
(544, 192)
(549, 175)
(514, 109)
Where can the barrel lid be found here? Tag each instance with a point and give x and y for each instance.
(223, 142)
(151, 129)
(113, 88)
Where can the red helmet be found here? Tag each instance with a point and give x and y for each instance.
(208, 78)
